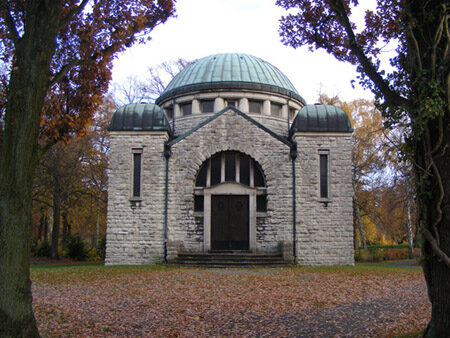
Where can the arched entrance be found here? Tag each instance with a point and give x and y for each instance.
(230, 188)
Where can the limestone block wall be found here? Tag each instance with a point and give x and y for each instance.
(230, 131)
(324, 230)
(135, 234)
(186, 123)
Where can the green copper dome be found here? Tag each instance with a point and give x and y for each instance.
(227, 72)
(139, 117)
(321, 118)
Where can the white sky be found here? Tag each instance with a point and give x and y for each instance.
(206, 27)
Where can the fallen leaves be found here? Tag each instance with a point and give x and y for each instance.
(116, 301)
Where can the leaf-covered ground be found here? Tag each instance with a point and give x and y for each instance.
(366, 300)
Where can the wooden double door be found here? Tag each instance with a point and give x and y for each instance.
(229, 222)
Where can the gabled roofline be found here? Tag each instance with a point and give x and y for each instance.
(237, 111)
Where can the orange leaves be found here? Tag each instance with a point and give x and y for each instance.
(137, 301)
(81, 64)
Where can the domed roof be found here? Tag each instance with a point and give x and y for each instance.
(321, 118)
(139, 116)
(230, 71)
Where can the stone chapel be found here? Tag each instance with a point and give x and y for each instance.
(230, 159)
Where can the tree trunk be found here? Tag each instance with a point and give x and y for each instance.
(26, 91)
(436, 262)
(56, 222)
(358, 217)
(65, 228)
(41, 226)
(409, 228)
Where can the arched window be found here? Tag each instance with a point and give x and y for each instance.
(231, 167)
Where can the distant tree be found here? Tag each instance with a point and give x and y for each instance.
(131, 90)
(59, 56)
(416, 93)
(136, 89)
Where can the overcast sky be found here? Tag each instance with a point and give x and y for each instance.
(206, 27)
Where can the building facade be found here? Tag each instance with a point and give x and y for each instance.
(230, 158)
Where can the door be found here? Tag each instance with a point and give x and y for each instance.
(229, 222)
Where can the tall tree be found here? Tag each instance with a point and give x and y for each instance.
(416, 92)
(60, 56)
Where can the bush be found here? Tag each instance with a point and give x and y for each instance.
(384, 253)
(98, 254)
(75, 248)
(43, 249)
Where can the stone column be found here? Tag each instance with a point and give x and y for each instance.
(285, 111)
(219, 104)
(177, 111)
(266, 107)
(196, 107)
(243, 105)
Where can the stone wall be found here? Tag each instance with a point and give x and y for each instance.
(135, 234)
(230, 131)
(324, 230)
(186, 123)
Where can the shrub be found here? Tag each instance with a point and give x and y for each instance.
(43, 249)
(76, 248)
(381, 253)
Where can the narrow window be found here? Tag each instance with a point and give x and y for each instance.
(261, 203)
(201, 176)
(208, 106)
(324, 175)
(230, 167)
(244, 169)
(137, 164)
(275, 109)
(186, 108)
(216, 166)
(254, 107)
(169, 112)
(259, 177)
(198, 203)
(231, 103)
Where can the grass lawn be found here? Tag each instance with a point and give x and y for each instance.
(94, 300)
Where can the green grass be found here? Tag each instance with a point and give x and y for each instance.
(99, 269)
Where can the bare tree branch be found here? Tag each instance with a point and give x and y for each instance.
(73, 13)
(365, 62)
(435, 247)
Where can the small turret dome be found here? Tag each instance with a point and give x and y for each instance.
(321, 118)
(139, 117)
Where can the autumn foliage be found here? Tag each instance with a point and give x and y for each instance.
(58, 57)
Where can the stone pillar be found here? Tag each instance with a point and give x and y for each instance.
(177, 111)
(196, 107)
(243, 105)
(219, 104)
(266, 107)
(285, 111)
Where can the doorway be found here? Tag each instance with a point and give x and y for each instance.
(229, 222)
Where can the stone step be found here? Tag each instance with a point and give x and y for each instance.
(231, 259)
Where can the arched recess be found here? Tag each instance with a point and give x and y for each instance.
(230, 189)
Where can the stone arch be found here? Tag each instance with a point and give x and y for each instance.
(258, 171)
(208, 152)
